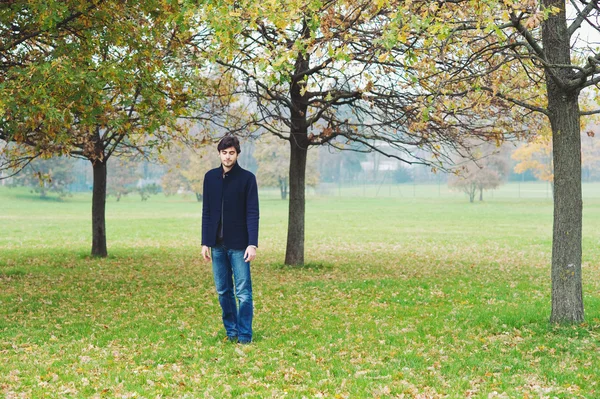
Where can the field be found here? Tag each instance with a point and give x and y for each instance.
(408, 292)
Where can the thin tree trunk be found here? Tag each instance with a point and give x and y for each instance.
(283, 188)
(563, 107)
(294, 254)
(198, 197)
(99, 209)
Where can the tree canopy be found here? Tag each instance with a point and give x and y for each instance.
(532, 55)
(342, 73)
(94, 79)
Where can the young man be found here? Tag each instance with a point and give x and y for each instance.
(230, 233)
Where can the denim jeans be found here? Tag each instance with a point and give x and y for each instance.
(232, 272)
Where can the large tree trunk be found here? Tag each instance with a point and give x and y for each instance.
(563, 107)
(98, 209)
(294, 254)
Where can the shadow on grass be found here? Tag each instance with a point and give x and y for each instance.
(36, 197)
(314, 266)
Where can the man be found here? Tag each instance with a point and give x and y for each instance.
(230, 233)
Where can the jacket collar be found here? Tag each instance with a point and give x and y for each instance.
(235, 169)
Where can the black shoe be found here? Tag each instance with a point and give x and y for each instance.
(232, 339)
(244, 341)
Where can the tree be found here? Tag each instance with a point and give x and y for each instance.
(487, 172)
(334, 73)
(338, 166)
(537, 157)
(122, 177)
(28, 33)
(109, 81)
(47, 175)
(273, 165)
(173, 181)
(529, 53)
(186, 168)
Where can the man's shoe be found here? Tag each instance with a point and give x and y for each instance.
(232, 339)
(244, 341)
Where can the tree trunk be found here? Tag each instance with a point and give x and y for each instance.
(98, 209)
(481, 194)
(283, 188)
(471, 190)
(198, 197)
(563, 107)
(294, 254)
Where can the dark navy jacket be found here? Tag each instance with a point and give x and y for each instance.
(238, 193)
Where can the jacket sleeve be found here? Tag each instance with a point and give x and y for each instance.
(205, 211)
(252, 214)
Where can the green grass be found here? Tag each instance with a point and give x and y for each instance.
(422, 296)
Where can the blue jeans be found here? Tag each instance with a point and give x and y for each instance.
(229, 268)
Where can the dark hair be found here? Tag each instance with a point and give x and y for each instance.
(229, 141)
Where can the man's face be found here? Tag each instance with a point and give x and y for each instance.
(228, 157)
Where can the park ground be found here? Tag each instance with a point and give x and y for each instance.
(408, 292)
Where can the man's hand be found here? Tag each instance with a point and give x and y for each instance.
(206, 252)
(250, 253)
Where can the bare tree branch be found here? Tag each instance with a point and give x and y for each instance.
(581, 15)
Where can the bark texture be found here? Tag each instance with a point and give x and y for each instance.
(99, 209)
(294, 253)
(563, 107)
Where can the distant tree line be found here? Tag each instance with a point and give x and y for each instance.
(182, 169)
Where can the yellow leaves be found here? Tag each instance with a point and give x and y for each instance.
(402, 35)
(537, 157)
(384, 57)
(534, 20)
(280, 61)
(380, 3)
(553, 10)
(304, 89)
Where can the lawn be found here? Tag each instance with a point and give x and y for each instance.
(404, 295)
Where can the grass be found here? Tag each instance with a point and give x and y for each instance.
(418, 296)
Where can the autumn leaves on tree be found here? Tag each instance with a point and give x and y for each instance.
(346, 74)
(424, 79)
(531, 55)
(92, 79)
